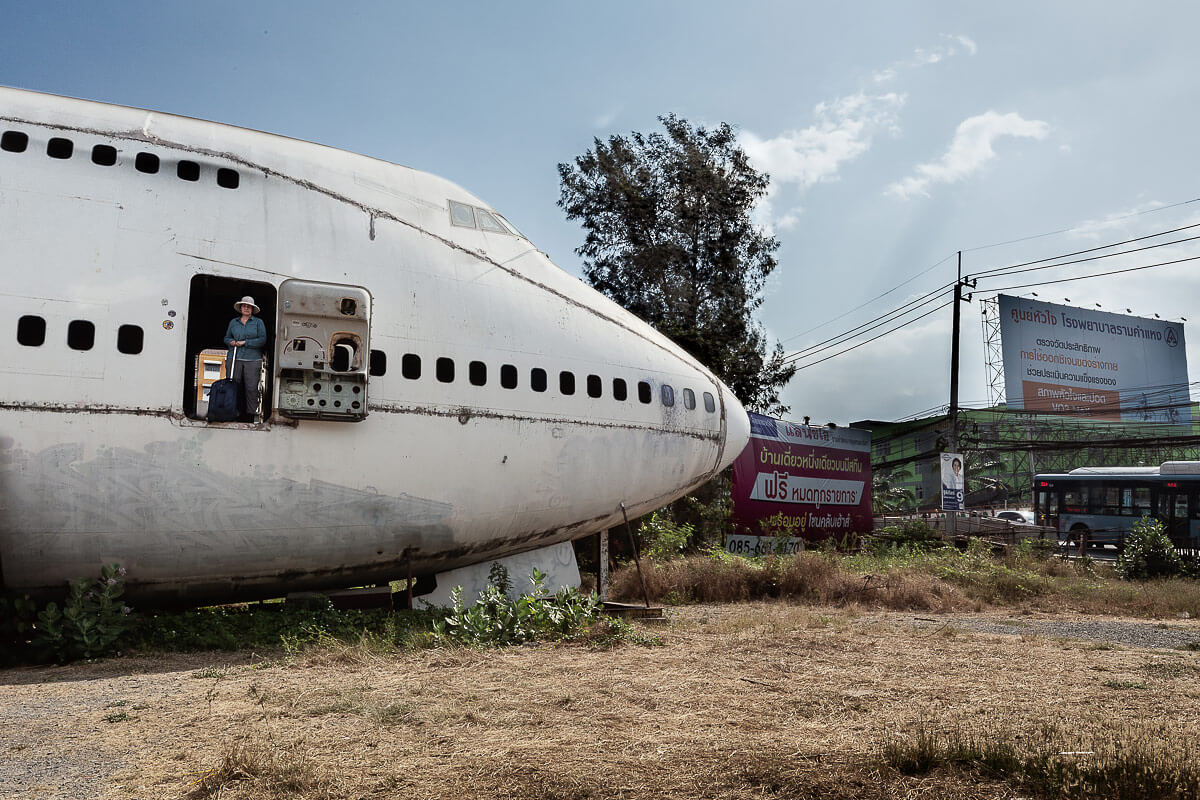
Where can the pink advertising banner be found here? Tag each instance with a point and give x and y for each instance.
(817, 479)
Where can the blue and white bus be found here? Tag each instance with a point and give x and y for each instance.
(1101, 504)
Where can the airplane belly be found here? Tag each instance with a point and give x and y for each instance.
(193, 511)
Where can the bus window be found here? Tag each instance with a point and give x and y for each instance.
(1074, 500)
(1141, 501)
(1181, 506)
(1112, 501)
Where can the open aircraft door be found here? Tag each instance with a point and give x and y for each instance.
(322, 345)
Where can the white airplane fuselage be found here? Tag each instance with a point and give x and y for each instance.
(125, 237)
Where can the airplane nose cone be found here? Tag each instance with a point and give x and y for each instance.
(737, 428)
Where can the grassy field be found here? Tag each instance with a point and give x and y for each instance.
(819, 675)
(747, 700)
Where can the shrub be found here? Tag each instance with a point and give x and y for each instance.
(90, 622)
(1148, 553)
(663, 538)
(496, 620)
(914, 534)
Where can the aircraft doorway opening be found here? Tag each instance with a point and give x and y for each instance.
(210, 308)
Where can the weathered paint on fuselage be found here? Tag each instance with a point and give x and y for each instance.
(99, 461)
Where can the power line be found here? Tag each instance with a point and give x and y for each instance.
(874, 338)
(1013, 269)
(894, 314)
(1078, 227)
(869, 302)
(1097, 274)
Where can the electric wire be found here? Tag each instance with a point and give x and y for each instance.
(869, 302)
(867, 326)
(875, 338)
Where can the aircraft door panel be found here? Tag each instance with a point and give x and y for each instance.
(324, 335)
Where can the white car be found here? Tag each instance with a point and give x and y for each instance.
(1016, 517)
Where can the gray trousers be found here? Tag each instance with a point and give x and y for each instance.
(246, 375)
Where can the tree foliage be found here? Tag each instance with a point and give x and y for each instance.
(669, 237)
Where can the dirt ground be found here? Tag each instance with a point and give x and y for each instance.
(739, 701)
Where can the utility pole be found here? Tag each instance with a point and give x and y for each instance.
(954, 360)
(952, 516)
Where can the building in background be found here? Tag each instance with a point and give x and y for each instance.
(1005, 448)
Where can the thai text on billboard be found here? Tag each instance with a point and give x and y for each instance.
(1093, 364)
(815, 482)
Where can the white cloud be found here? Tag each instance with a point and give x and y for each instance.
(967, 43)
(606, 118)
(969, 152)
(1117, 220)
(842, 132)
(952, 45)
(763, 214)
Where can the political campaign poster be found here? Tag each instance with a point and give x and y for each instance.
(954, 482)
(807, 481)
(1093, 364)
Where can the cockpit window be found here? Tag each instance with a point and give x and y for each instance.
(511, 228)
(461, 215)
(465, 216)
(487, 222)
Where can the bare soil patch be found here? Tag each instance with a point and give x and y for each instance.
(741, 700)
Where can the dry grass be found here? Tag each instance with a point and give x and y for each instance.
(940, 581)
(754, 700)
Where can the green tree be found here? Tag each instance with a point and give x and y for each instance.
(886, 496)
(669, 237)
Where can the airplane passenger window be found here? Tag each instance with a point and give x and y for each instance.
(620, 391)
(644, 393)
(60, 148)
(487, 222)
(105, 155)
(130, 339)
(81, 335)
(31, 331)
(477, 373)
(537, 379)
(410, 366)
(378, 363)
(461, 215)
(595, 386)
(188, 170)
(14, 141)
(668, 396)
(689, 399)
(445, 370)
(508, 376)
(566, 382)
(227, 178)
(710, 405)
(146, 162)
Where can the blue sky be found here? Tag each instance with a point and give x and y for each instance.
(895, 134)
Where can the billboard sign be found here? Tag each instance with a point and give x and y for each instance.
(954, 482)
(1093, 364)
(814, 482)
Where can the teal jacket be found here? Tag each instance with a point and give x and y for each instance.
(253, 333)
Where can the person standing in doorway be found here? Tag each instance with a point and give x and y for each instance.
(249, 335)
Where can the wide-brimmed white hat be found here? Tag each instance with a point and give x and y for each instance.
(247, 300)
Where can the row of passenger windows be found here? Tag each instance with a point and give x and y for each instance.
(539, 380)
(81, 335)
(105, 155)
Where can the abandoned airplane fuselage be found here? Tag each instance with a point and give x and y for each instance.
(438, 393)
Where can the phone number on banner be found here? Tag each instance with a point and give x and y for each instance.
(762, 545)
